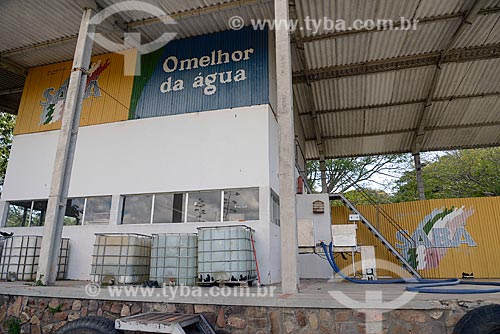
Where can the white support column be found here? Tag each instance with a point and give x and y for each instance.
(52, 232)
(115, 215)
(420, 178)
(288, 215)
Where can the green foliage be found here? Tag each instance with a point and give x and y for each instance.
(54, 310)
(7, 123)
(343, 174)
(13, 325)
(457, 174)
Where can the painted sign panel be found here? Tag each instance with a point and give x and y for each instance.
(452, 236)
(217, 71)
(107, 95)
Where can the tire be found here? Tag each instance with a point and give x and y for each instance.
(89, 325)
(482, 320)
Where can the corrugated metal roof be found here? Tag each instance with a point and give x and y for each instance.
(353, 108)
(358, 105)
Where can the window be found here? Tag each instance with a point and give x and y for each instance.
(275, 209)
(38, 212)
(74, 211)
(92, 210)
(137, 209)
(19, 214)
(169, 208)
(204, 206)
(97, 210)
(241, 204)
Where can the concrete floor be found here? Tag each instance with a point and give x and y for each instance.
(314, 294)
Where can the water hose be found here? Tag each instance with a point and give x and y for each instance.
(423, 285)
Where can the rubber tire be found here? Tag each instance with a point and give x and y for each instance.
(89, 325)
(482, 320)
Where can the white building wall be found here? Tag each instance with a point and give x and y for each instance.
(221, 149)
(312, 265)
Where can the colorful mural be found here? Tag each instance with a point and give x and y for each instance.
(106, 99)
(453, 236)
(435, 234)
(216, 71)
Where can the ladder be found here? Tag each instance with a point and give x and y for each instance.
(377, 234)
(173, 323)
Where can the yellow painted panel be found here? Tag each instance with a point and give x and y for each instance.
(454, 235)
(107, 98)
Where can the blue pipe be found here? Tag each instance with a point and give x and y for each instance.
(424, 286)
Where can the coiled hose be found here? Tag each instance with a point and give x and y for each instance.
(422, 285)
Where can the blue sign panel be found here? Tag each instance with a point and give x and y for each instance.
(217, 71)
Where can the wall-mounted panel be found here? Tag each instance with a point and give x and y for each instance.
(107, 94)
(216, 71)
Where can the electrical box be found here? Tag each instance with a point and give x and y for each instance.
(306, 233)
(344, 235)
(368, 262)
(354, 218)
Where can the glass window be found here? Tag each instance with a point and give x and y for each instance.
(275, 209)
(19, 214)
(74, 211)
(97, 210)
(137, 209)
(38, 213)
(204, 206)
(241, 204)
(169, 208)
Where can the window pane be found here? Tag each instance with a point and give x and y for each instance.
(74, 211)
(169, 208)
(97, 210)
(19, 213)
(275, 209)
(204, 206)
(241, 204)
(38, 213)
(137, 209)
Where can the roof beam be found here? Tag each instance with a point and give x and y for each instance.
(402, 103)
(11, 66)
(11, 91)
(399, 63)
(472, 13)
(395, 132)
(397, 24)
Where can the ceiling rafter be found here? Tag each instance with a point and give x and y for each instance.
(393, 132)
(397, 24)
(402, 103)
(399, 63)
(468, 19)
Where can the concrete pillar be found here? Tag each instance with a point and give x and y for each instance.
(52, 232)
(288, 215)
(324, 184)
(420, 178)
(115, 216)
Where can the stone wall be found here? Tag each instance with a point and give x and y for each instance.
(47, 315)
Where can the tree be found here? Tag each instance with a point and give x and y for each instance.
(7, 123)
(343, 174)
(465, 173)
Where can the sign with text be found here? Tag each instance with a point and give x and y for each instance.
(217, 71)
